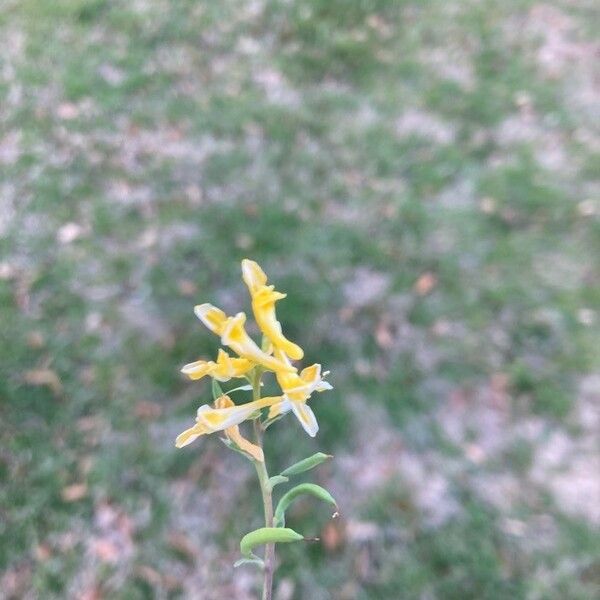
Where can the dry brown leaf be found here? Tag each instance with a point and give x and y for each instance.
(333, 535)
(145, 409)
(383, 336)
(94, 593)
(45, 377)
(106, 550)
(186, 287)
(425, 283)
(74, 492)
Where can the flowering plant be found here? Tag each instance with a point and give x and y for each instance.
(276, 355)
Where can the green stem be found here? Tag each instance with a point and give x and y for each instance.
(265, 488)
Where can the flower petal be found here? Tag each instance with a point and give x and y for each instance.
(306, 417)
(189, 435)
(227, 415)
(197, 370)
(233, 433)
(253, 276)
(279, 408)
(214, 318)
(234, 335)
(263, 305)
(228, 367)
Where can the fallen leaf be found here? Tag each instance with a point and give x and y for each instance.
(383, 336)
(74, 492)
(106, 550)
(94, 593)
(186, 287)
(333, 535)
(147, 410)
(425, 283)
(45, 377)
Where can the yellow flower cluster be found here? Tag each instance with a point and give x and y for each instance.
(296, 387)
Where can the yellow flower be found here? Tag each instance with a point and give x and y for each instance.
(223, 369)
(225, 416)
(233, 433)
(233, 334)
(297, 389)
(263, 306)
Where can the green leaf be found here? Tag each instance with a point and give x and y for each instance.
(276, 480)
(258, 562)
(305, 465)
(294, 493)
(216, 389)
(267, 535)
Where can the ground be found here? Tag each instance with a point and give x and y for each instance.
(421, 178)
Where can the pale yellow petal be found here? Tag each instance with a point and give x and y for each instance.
(312, 374)
(220, 418)
(253, 276)
(279, 408)
(227, 367)
(306, 417)
(233, 433)
(263, 307)
(212, 317)
(189, 435)
(197, 370)
(234, 335)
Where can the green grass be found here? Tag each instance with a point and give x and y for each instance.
(182, 137)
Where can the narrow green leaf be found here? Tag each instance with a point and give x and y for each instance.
(259, 562)
(294, 493)
(276, 480)
(267, 535)
(305, 465)
(216, 389)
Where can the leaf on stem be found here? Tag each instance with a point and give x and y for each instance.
(304, 488)
(276, 480)
(267, 535)
(305, 465)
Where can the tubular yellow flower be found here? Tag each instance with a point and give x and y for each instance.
(233, 433)
(224, 369)
(263, 306)
(297, 389)
(222, 417)
(233, 334)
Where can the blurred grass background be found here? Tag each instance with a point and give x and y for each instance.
(421, 178)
